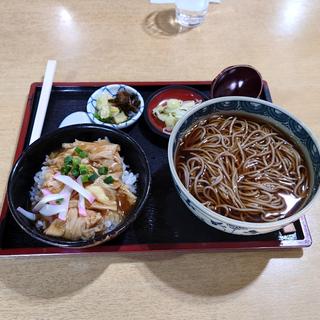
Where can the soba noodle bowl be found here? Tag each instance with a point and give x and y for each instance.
(242, 169)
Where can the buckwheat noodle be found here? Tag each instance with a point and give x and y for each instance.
(242, 169)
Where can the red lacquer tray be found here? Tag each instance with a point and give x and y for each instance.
(165, 223)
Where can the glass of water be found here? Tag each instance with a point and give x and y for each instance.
(191, 13)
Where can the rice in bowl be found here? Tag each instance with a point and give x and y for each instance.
(82, 190)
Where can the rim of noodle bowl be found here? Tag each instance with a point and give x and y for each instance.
(211, 213)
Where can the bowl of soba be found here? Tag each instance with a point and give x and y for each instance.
(79, 186)
(244, 166)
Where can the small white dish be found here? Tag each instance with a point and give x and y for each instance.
(113, 89)
(75, 118)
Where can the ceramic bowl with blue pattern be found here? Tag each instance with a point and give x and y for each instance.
(266, 112)
(112, 90)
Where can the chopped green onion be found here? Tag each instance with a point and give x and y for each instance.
(108, 180)
(75, 172)
(77, 150)
(76, 161)
(82, 154)
(65, 169)
(83, 169)
(68, 160)
(93, 177)
(85, 178)
(103, 170)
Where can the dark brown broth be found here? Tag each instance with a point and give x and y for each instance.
(293, 204)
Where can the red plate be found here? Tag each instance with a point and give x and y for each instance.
(180, 92)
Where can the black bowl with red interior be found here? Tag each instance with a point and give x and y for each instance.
(21, 178)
